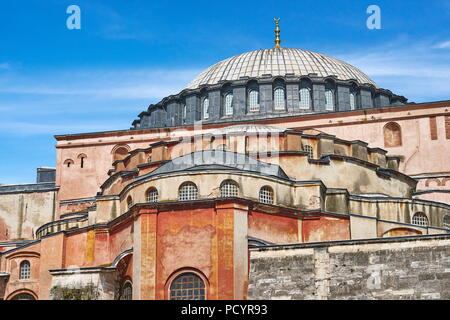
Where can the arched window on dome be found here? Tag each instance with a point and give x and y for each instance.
(228, 104)
(352, 101)
(206, 108)
(184, 113)
(279, 99)
(305, 99)
(329, 100)
(392, 135)
(420, 219)
(25, 270)
(253, 101)
(330, 91)
(354, 94)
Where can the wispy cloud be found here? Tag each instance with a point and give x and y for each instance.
(415, 70)
(21, 128)
(443, 45)
(103, 84)
(57, 102)
(5, 66)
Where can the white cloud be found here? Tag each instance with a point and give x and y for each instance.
(5, 66)
(443, 45)
(414, 70)
(102, 84)
(67, 101)
(21, 128)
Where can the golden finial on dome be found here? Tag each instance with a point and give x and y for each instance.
(277, 33)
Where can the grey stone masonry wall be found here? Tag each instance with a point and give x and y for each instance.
(292, 97)
(266, 103)
(214, 104)
(319, 97)
(395, 269)
(366, 99)
(343, 98)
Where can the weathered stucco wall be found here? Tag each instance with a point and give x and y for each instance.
(22, 213)
(409, 268)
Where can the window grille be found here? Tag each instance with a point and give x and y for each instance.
(152, 195)
(25, 270)
(266, 195)
(206, 108)
(305, 99)
(309, 150)
(188, 192)
(187, 286)
(253, 100)
(229, 189)
(229, 104)
(329, 100)
(278, 98)
(420, 219)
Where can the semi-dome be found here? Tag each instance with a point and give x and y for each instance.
(279, 62)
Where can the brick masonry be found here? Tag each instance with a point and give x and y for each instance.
(395, 269)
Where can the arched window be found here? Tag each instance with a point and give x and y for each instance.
(279, 99)
(206, 108)
(253, 101)
(120, 153)
(188, 191)
(392, 135)
(127, 291)
(152, 195)
(23, 296)
(82, 158)
(329, 100)
(352, 101)
(309, 150)
(446, 222)
(229, 189)
(266, 195)
(187, 286)
(68, 163)
(25, 270)
(184, 113)
(129, 202)
(305, 98)
(229, 104)
(420, 219)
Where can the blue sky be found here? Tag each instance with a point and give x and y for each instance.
(131, 53)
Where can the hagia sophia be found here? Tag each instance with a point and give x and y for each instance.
(278, 173)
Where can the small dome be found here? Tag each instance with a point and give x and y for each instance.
(279, 62)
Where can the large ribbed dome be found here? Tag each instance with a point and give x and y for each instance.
(279, 62)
